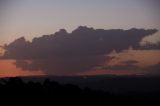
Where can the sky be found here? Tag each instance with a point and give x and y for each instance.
(31, 18)
(34, 18)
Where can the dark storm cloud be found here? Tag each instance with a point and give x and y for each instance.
(81, 42)
(70, 53)
(61, 65)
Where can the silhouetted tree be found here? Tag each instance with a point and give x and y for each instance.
(16, 92)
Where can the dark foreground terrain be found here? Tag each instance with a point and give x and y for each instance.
(121, 91)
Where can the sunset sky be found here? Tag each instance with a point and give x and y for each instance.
(34, 18)
(31, 18)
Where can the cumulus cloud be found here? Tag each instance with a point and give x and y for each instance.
(152, 39)
(71, 53)
(151, 42)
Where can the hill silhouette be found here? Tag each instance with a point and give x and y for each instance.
(15, 91)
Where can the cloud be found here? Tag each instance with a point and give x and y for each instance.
(61, 65)
(129, 62)
(152, 39)
(150, 46)
(151, 42)
(71, 53)
(123, 65)
(138, 61)
(133, 67)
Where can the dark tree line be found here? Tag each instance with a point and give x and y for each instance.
(15, 91)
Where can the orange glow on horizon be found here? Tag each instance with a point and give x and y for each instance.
(1, 51)
(8, 69)
(144, 57)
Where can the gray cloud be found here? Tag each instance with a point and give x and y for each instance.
(71, 53)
